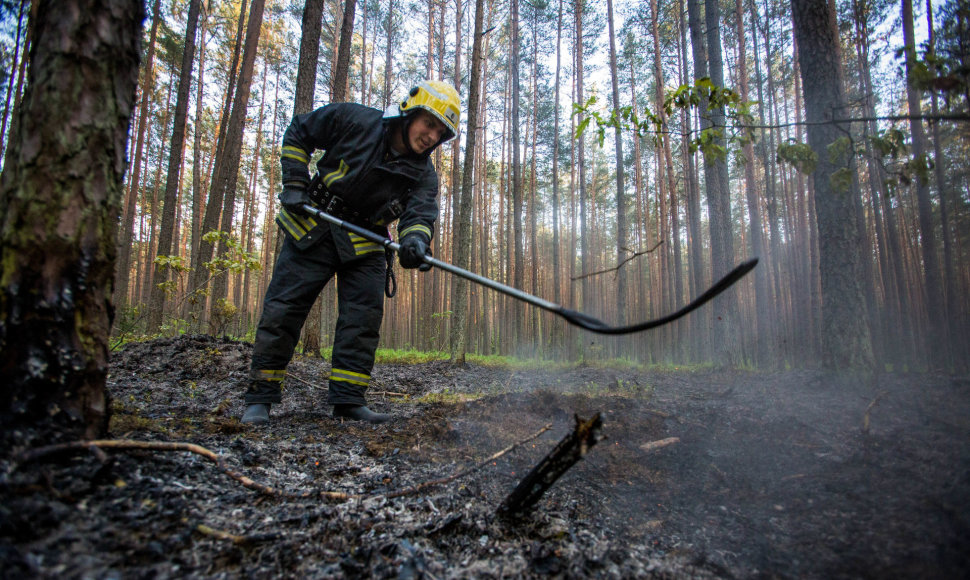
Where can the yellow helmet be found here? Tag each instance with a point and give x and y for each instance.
(438, 98)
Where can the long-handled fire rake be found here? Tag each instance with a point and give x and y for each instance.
(571, 316)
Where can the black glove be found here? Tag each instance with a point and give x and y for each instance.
(413, 249)
(293, 198)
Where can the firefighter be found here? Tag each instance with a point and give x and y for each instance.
(375, 169)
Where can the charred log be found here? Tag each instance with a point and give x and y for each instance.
(564, 455)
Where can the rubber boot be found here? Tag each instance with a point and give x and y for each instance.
(256, 414)
(359, 413)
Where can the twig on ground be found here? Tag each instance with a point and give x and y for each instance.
(35, 454)
(865, 418)
(655, 445)
(101, 444)
(467, 471)
(299, 379)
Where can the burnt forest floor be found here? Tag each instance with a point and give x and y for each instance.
(773, 475)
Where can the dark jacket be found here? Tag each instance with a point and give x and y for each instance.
(357, 167)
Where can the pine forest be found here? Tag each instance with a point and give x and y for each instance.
(614, 157)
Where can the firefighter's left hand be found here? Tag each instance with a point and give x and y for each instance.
(413, 249)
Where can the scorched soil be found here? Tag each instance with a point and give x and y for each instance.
(759, 475)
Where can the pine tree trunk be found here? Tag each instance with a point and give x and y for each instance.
(342, 69)
(937, 343)
(126, 238)
(845, 331)
(463, 223)
(156, 307)
(225, 176)
(57, 240)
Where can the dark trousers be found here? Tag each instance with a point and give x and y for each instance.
(298, 279)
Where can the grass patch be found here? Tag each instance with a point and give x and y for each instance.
(448, 398)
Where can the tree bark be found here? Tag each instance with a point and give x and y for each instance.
(937, 339)
(306, 80)
(463, 225)
(725, 332)
(128, 220)
(60, 196)
(342, 70)
(621, 197)
(223, 189)
(845, 332)
(306, 72)
(156, 307)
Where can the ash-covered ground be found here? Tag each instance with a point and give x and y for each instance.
(780, 475)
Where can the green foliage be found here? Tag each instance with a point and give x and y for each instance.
(685, 97)
(799, 155)
(232, 258)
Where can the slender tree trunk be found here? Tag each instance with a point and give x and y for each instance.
(389, 54)
(198, 195)
(157, 297)
(959, 340)
(223, 188)
(580, 145)
(342, 70)
(463, 224)
(557, 324)
(306, 81)
(306, 72)
(704, 340)
(621, 198)
(125, 241)
(726, 333)
(762, 296)
(937, 340)
(18, 57)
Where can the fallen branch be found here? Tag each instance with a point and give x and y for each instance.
(35, 454)
(564, 455)
(467, 471)
(389, 394)
(300, 379)
(235, 539)
(100, 444)
(621, 264)
(654, 445)
(872, 404)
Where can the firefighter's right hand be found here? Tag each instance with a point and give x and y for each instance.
(293, 198)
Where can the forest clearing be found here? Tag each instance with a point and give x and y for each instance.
(775, 475)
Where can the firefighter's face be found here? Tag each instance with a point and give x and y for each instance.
(425, 131)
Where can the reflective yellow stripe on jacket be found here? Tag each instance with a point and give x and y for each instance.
(297, 225)
(416, 228)
(339, 173)
(363, 245)
(295, 153)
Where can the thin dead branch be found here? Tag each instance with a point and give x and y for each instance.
(564, 455)
(872, 405)
(468, 471)
(235, 539)
(660, 443)
(621, 264)
(123, 444)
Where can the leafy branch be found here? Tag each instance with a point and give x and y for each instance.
(685, 97)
